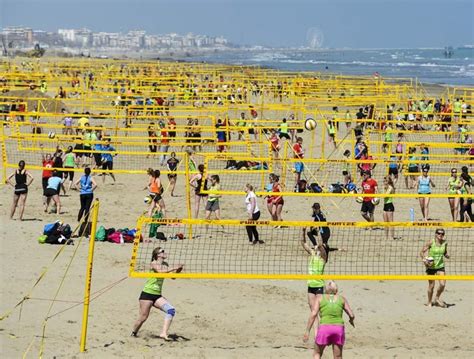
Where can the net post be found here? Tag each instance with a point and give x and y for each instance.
(188, 192)
(87, 291)
(4, 156)
(284, 165)
(136, 243)
(312, 145)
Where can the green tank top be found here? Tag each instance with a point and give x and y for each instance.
(388, 200)
(332, 129)
(457, 106)
(316, 267)
(437, 253)
(242, 123)
(284, 128)
(330, 310)
(69, 160)
(453, 184)
(192, 166)
(89, 138)
(212, 195)
(388, 137)
(153, 286)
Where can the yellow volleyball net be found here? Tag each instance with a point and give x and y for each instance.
(224, 117)
(357, 250)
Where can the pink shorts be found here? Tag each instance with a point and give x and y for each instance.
(330, 334)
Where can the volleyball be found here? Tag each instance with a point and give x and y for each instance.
(310, 124)
(429, 261)
(375, 201)
(359, 199)
(147, 199)
(51, 135)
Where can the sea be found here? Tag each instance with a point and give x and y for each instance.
(429, 66)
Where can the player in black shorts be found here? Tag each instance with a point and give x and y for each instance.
(323, 231)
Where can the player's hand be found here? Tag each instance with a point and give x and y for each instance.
(351, 321)
(305, 337)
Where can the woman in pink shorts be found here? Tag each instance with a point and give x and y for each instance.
(330, 307)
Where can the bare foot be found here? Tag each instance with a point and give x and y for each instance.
(164, 337)
(440, 303)
(428, 305)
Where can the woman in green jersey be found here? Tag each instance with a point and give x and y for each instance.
(317, 262)
(330, 306)
(69, 163)
(213, 198)
(151, 294)
(454, 186)
(433, 253)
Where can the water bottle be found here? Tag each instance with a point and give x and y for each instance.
(412, 215)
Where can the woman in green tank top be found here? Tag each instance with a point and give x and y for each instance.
(433, 253)
(317, 261)
(151, 294)
(69, 162)
(455, 183)
(330, 306)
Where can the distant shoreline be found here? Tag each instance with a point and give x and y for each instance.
(188, 55)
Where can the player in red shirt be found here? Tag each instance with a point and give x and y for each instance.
(369, 185)
(275, 141)
(165, 143)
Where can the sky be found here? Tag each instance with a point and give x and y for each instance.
(276, 23)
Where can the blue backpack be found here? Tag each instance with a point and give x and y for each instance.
(351, 187)
(50, 228)
(315, 188)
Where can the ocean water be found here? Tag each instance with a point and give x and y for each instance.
(428, 65)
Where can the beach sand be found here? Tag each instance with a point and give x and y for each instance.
(215, 318)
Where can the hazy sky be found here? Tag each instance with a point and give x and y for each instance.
(349, 23)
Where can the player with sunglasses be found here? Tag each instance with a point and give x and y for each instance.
(151, 294)
(433, 254)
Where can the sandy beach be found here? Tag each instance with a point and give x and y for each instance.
(215, 318)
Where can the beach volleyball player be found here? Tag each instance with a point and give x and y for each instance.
(151, 294)
(369, 186)
(316, 265)
(432, 254)
(330, 306)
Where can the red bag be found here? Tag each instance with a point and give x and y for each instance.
(115, 237)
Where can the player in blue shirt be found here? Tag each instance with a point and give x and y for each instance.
(108, 159)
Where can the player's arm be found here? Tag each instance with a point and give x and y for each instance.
(30, 178)
(9, 178)
(304, 244)
(446, 255)
(424, 250)
(322, 251)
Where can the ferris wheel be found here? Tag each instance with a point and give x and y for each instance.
(314, 38)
